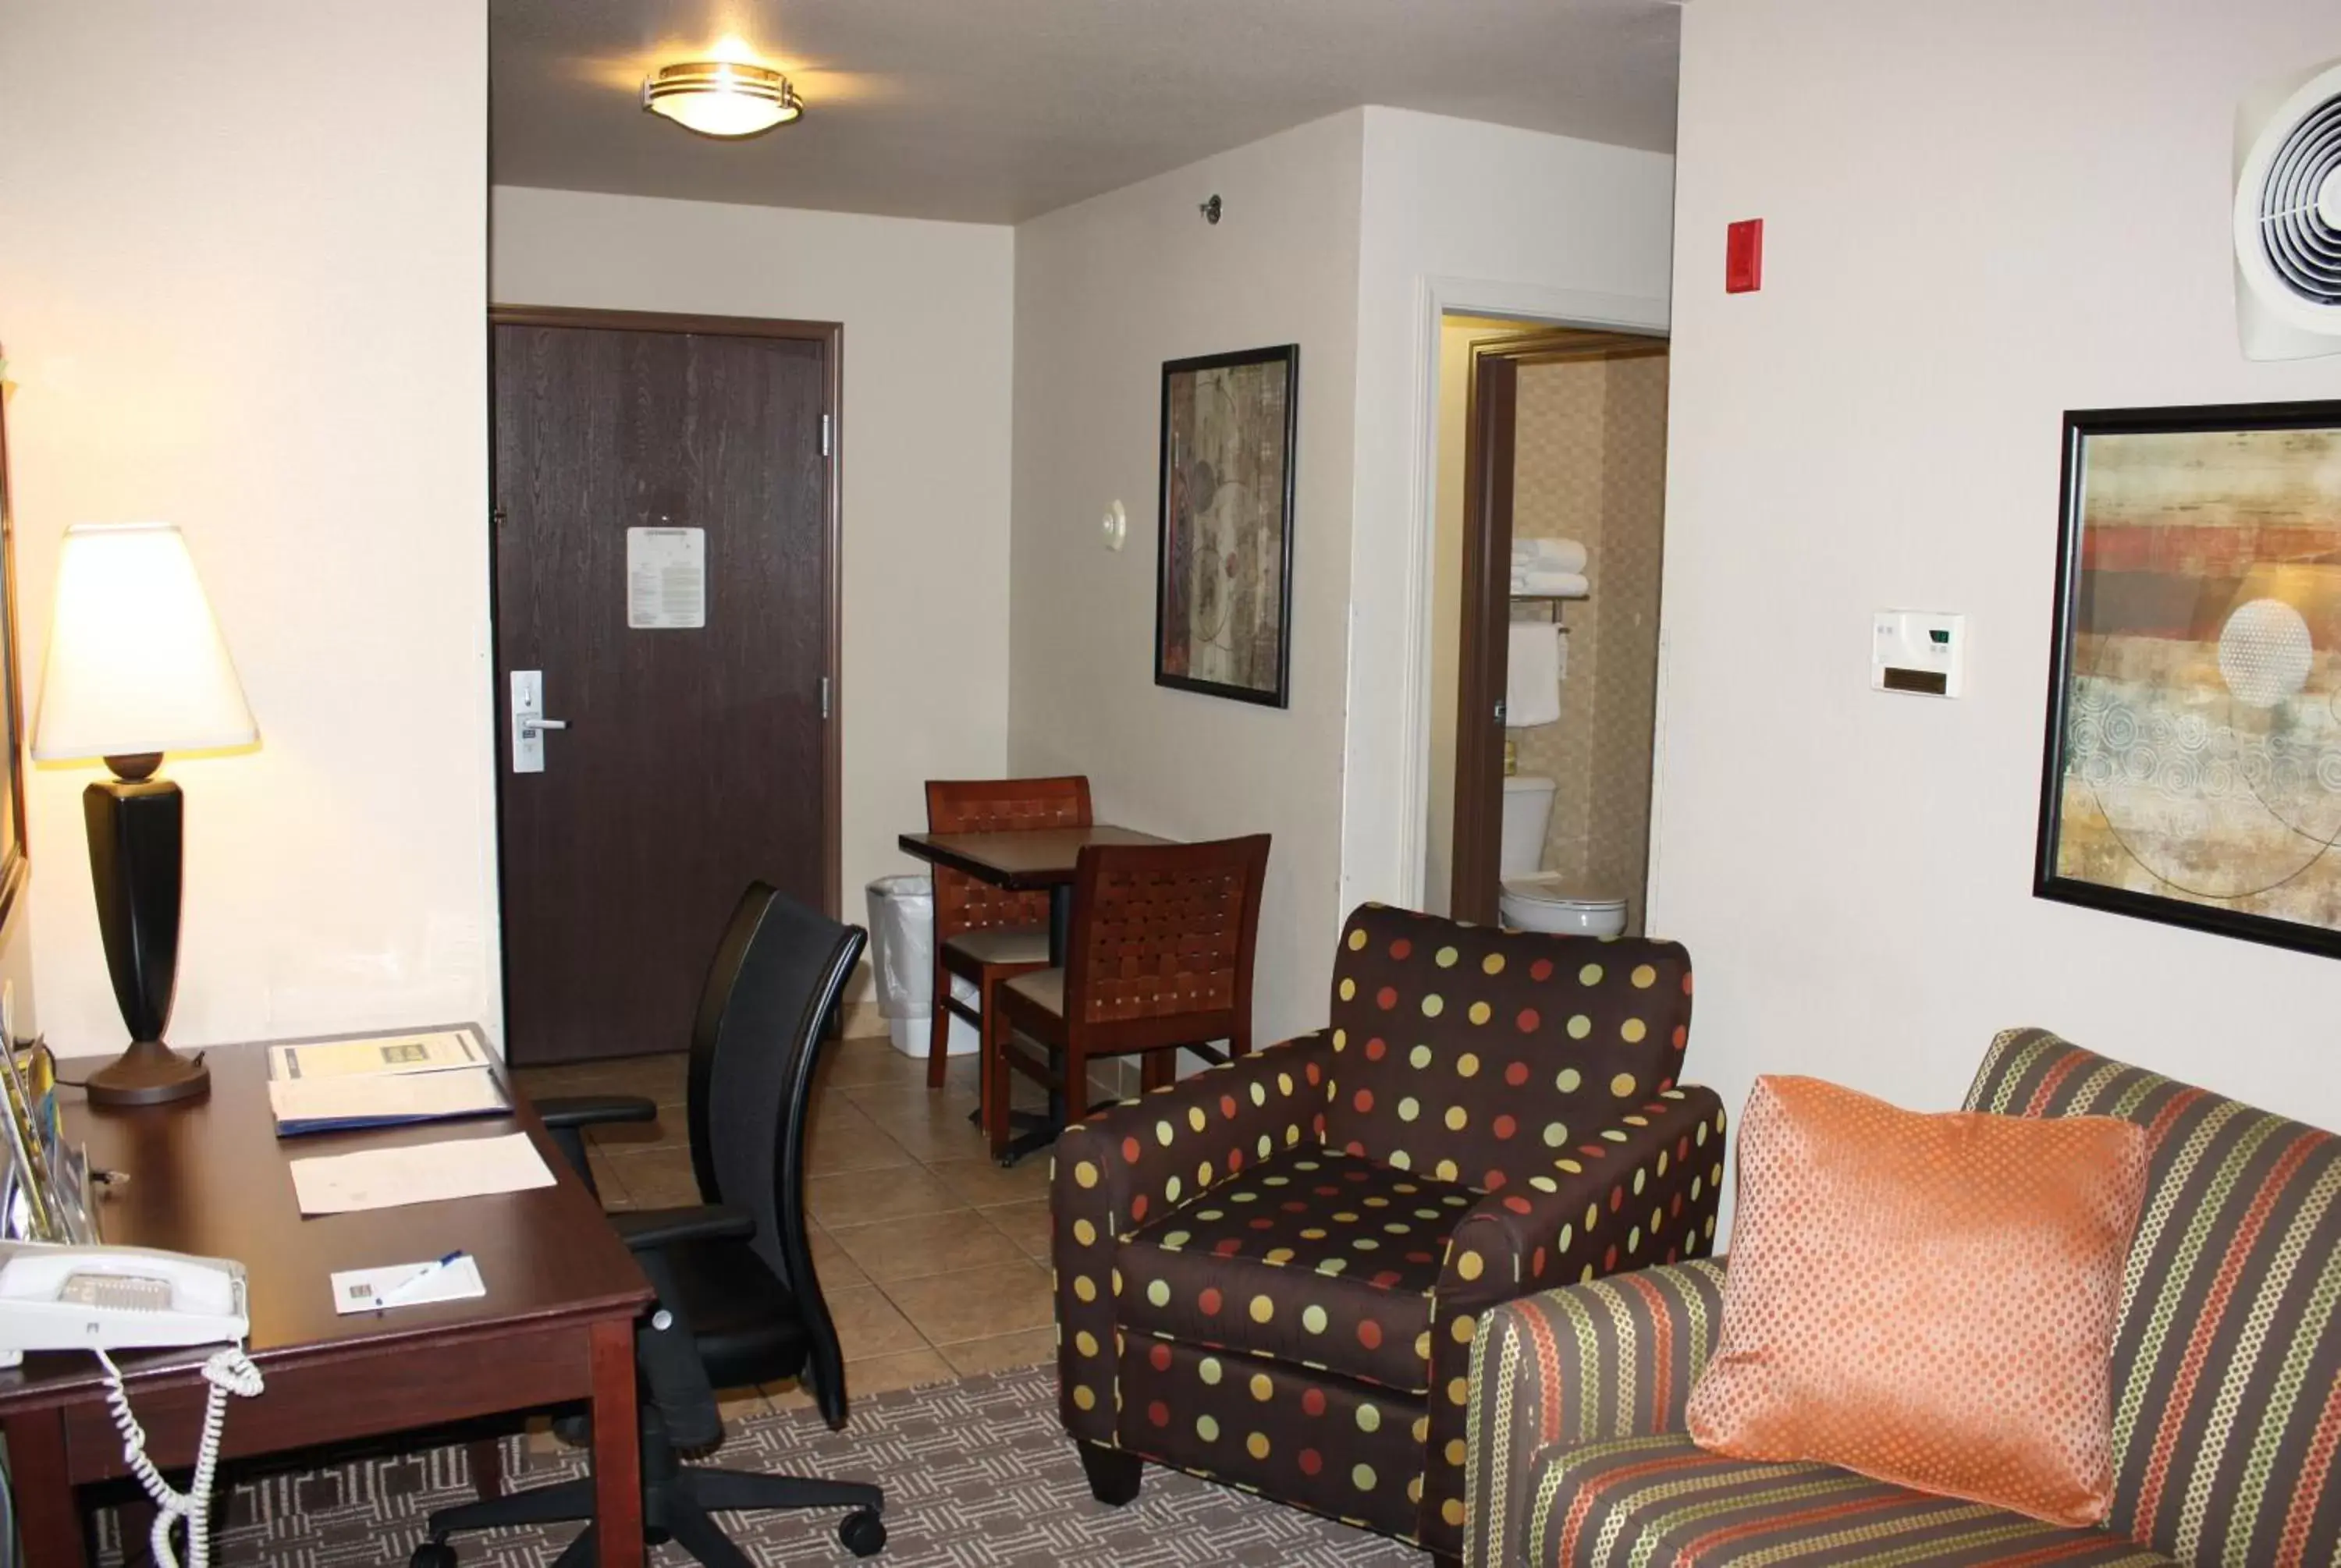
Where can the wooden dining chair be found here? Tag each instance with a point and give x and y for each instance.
(984, 934)
(1160, 957)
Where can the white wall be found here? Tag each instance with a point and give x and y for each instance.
(256, 314)
(1467, 217)
(1879, 427)
(16, 974)
(1446, 609)
(1105, 291)
(925, 309)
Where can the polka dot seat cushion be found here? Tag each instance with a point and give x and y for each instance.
(1317, 1257)
(1273, 1273)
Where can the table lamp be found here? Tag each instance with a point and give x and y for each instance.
(135, 669)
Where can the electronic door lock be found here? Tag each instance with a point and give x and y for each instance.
(528, 722)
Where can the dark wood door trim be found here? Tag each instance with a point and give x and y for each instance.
(658, 322)
(1491, 408)
(831, 336)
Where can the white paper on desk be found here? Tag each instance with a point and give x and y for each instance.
(366, 1289)
(462, 1092)
(418, 1172)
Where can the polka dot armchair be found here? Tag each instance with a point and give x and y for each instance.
(1271, 1273)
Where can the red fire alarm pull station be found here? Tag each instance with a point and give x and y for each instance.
(1743, 257)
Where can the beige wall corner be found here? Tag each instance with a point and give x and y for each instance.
(1106, 291)
(1467, 217)
(257, 314)
(925, 309)
(1879, 427)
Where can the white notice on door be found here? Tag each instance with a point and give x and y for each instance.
(666, 579)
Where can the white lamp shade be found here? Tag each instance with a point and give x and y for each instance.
(135, 661)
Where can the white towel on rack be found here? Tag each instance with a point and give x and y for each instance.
(1544, 584)
(1532, 675)
(1548, 555)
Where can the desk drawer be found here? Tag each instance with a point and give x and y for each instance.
(364, 1392)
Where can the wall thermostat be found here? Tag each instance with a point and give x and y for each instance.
(1917, 651)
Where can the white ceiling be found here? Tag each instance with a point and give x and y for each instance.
(993, 111)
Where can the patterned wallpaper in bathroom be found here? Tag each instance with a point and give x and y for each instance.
(1591, 466)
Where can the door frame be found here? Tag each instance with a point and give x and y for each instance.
(1386, 756)
(1491, 408)
(831, 336)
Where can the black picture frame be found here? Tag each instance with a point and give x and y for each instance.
(1176, 532)
(16, 857)
(2140, 591)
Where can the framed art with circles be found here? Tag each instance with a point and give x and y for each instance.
(2193, 761)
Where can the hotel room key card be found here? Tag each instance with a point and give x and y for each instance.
(377, 1289)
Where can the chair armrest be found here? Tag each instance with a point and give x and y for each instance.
(649, 1229)
(664, 1346)
(666, 1352)
(593, 1110)
(566, 1116)
(1641, 1192)
(1613, 1358)
(1138, 1160)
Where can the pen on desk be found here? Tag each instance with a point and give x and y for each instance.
(428, 1272)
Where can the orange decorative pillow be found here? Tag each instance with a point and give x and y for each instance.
(1927, 1300)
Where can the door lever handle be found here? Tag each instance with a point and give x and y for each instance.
(526, 722)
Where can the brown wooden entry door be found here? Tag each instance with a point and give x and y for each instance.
(691, 759)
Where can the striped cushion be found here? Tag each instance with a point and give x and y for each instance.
(1652, 1501)
(2227, 1366)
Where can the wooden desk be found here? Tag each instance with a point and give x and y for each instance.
(208, 1177)
(1030, 859)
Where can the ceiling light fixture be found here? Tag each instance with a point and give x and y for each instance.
(721, 97)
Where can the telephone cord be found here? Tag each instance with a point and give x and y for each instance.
(228, 1371)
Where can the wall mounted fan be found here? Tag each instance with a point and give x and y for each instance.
(2288, 218)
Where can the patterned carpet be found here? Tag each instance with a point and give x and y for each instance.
(978, 1474)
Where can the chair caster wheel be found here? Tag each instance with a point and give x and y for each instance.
(433, 1554)
(863, 1533)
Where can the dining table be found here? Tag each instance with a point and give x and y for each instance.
(1027, 860)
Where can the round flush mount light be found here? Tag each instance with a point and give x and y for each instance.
(721, 97)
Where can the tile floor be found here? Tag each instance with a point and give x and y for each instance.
(934, 1260)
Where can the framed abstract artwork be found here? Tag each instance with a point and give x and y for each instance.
(2192, 766)
(1223, 571)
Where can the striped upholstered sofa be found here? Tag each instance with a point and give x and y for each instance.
(2226, 1380)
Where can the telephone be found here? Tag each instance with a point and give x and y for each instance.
(101, 1298)
(107, 1297)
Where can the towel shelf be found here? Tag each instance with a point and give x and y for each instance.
(1555, 600)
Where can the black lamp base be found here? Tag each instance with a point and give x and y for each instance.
(134, 820)
(149, 1073)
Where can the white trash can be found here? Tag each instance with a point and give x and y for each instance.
(902, 962)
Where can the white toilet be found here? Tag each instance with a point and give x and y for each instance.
(1534, 899)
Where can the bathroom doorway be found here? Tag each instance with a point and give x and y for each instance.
(1550, 530)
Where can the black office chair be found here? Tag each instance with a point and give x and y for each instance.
(737, 1302)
